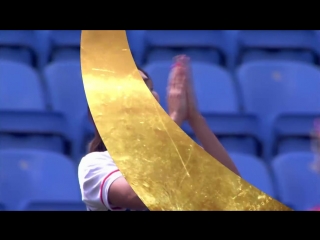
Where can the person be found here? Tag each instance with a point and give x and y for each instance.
(102, 185)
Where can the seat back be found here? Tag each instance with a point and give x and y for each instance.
(297, 184)
(213, 86)
(20, 88)
(37, 176)
(255, 171)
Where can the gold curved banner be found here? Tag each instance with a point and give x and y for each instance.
(165, 167)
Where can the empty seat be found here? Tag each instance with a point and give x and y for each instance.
(255, 55)
(30, 177)
(217, 101)
(254, 171)
(215, 89)
(65, 45)
(236, 132)
(34, 130)
(181, 40)
(293, 132)
(137, 45)
(67, 96)
(275, 89)
(297, 184)
(159, 73)
(197, 55)
(25, 123)
(292, 42)
(20, 87)
(19, 46)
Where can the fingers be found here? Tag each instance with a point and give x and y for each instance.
(182, 59)
(179, 75)
(177, 88)
(178, 80)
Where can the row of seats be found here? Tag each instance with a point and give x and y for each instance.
(50, 180)
(45, 110)
(221, 47)
(269, 108)
(39, 47)
(225, 48)
(276, 103)
(38, 180)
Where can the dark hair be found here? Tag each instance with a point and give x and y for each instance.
(97, 145)
(145, 73)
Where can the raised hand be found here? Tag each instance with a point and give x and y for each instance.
(192, 109)
(177, 93)
(208, 140)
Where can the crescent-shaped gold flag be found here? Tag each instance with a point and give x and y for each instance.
(165, 167)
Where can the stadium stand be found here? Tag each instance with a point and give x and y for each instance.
(258, 90)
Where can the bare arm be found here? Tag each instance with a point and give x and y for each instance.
(122, 195)
(210, 142)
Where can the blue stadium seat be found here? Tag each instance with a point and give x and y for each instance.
(34, 130)
(137, 45)
(64, 82)
(217, 101)
(197, 55)
(158, 55)
(297, 184)
(236, 132)
(19, 46)
(181, 40)
(20, 87)
(2, 207)
(255, 55)
(273, 89)
(292, 132)
(254, 171)
(25, 122)
(31, 177)
(278, 44)
(65, 45)
(43, 46)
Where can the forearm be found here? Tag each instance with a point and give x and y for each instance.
(122, 195)
(176, 119)
(211, 143)
(134, 202)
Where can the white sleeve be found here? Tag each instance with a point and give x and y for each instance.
(96, 173)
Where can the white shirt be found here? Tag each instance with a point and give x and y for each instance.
(96, 172)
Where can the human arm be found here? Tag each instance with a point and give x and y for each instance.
(197, 122)
(103, 187)
(120, 192)
(210, 142)
(176, 95)
(122, 195)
